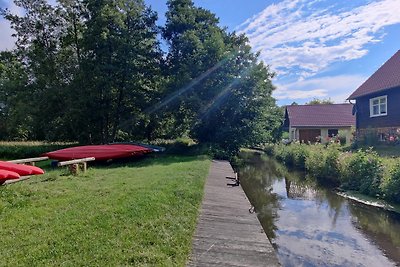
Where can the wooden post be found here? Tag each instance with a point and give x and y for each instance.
(76, 165)
(84, 167)
(74, 169)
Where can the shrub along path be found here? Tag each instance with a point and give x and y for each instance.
(227, 234)
(141, 213)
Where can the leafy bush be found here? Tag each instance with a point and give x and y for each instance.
(189, 147)
(282, 154)
(293, 155)
(269, 149)
(299, 152)
(391, 183)
(322, 163)
(362, 171)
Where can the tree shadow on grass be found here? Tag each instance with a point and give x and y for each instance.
(149, 160)
(173, 154)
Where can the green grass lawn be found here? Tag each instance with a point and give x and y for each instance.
(142, 214)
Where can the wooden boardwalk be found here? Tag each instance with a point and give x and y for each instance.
(227, 233)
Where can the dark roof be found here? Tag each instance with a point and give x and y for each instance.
(386, 77)
(323, 115)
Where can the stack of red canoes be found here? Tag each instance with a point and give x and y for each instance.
(99, 152)
(10, 171)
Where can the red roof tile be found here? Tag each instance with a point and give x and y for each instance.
(324, 115)
(386, 77)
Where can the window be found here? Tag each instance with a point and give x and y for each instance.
(378, 106)
(333, 132)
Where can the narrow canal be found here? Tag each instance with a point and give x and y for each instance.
(313, 226)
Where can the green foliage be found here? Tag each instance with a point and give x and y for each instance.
(122, 71)
(13, 112)
(135, 214)
(322, 163)
(20, 150)
(391, 183)
(362, 171)
(269, 149)
(300, 155)
(285, 135)
(294, 155)
(92, 68)
(92, 71)
(229, 99)
(183, 146)
(282, 153)
(317, 101)
(189, 147)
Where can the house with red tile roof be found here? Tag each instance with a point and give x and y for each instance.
(377, 105)
(310, 123)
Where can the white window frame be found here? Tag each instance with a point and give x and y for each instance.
(371, 106)
(382, 137)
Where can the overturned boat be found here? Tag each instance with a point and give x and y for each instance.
(102, 152)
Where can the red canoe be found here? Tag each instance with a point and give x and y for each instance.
(21, 169)
(8, 175)
(99, 152)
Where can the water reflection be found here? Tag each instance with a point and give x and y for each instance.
(312, 226)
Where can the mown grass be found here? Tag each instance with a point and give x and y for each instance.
(139, 214)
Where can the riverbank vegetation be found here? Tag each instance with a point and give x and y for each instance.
(363, 171)
(138, 213)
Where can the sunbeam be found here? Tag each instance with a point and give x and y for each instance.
(218, 99)
(191, 85)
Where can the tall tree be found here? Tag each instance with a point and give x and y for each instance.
(196, 47)
(121, 68)
(244, 113)
(228, 100)
(14, 114)
(38, 44)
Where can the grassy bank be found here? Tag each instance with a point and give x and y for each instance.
(362, 171)
(141, 213)
(19, 150)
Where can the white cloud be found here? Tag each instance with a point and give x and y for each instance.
(301, 34)
(337, 88)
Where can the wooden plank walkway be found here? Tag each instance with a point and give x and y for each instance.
(227, 233)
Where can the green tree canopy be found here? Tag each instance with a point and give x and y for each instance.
(93, 71)
(92, 67)
(317, 101)
(230, 105)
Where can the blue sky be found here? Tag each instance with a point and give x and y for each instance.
(318, 48)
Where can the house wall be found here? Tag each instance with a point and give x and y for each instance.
(380, 134)
(309, 135)
(294, 133)
(392, 119)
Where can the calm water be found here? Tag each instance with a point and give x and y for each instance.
(312, 226)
